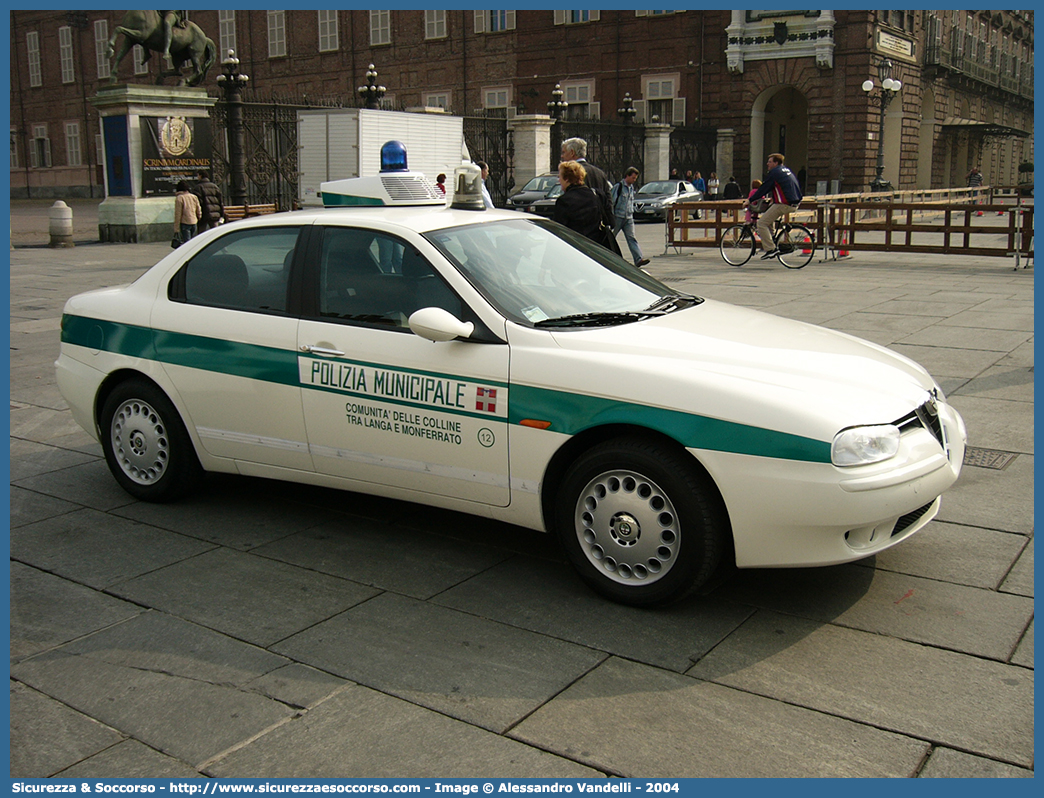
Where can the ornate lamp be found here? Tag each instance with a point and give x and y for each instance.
(232, 82)
(886, 93)
(371, 93)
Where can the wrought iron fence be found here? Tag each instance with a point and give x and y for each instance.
(489, 140)
(692, 148)
(611, 146)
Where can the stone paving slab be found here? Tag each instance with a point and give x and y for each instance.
(249, 597)
(51, 426)
(165, 683)
(947, 361)
(992, 320)
(47, 611)
(59, 736)
(362, 733)
(29, 459)
(229, 511)
(550, 599)
(130, 760)
(945, 763)
(359, 549)
(97, 549)
(967, 338)
(944, 697)
(979, 622)
(993, 499)
(29, 507)
(962, 555)
(1002, 382)
(485, 673)
(1024, 653)
(1020, 579)
(296, 685)
(703, 730)
(997, 423)
(90, 484)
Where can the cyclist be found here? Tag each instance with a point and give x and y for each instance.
(786, 194)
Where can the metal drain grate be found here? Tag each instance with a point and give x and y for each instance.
(988, 458)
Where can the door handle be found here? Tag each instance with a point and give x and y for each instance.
(321, 350)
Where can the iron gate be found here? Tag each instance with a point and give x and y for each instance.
(692, 148)
(270, 143)
(611, 146)
(489, 140)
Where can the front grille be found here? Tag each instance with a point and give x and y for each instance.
(908, 520)
(926, 416)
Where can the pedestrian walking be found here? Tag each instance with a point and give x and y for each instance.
(732, 190)
(186, 211)
(579, 207)
(211, 204)
(786, 195)
(575, 149)
(622, 197)
(700, 183)
(974, 182)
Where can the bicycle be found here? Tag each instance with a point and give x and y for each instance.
(794, 242)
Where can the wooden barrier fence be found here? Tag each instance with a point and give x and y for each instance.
(952, 221)
(234, 212)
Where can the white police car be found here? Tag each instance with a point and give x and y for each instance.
(497, 364)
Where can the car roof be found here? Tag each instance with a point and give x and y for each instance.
(419, 218)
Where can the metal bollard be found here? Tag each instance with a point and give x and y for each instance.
(61, 226)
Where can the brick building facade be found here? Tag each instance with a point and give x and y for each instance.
(782, 80)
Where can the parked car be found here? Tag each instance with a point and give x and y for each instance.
(535, 189)
(653, 199)
(502, 365)
(546, 207)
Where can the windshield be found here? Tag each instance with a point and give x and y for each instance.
(661, 187)
(541, 183)
(533, 270)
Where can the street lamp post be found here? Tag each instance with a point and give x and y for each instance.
(886, 93)
(627, 112)
(232, 81)
(555, 108)
(372, 94)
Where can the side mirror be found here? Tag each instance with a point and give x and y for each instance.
(437, 324)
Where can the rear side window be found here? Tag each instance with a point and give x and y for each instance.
(245, 270)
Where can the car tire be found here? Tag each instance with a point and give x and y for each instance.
(146, 446)
(640, 521)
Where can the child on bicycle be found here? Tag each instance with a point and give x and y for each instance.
(748, 216)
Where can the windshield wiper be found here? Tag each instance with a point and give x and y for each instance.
(604, 319)
(673, 302)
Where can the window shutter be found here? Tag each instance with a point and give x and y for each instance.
(639, 107)
(560, 17)
(678, 112)
(480, 21)
(509, 20)
(595, 16)
(595, 110)
(641, 13)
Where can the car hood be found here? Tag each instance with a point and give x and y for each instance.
(748, 366)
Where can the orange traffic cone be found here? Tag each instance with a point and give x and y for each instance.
(807, 248)
(978, 213)
(844, 253)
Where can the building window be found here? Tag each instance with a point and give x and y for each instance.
(101, 47)
(16, 162)
(380, 27)
(99, 148)
(40, 152)
(495, 101)
(434, 24)
(659, 100)
(73, 154)
(65, 51)
(437, 101)
(578, 95)
(327, 31)
(32, 45)
(141, 66)
(494, 21)
(576, 17)
(276, 34)
(226, 33)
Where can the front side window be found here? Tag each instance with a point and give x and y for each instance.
(371, 278)
(245, 270)
(495, 101)
(434, 24)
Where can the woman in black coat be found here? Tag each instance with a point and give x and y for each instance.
(579, 208)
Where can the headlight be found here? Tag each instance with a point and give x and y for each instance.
(864, 445)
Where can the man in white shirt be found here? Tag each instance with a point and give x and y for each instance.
(486, 198)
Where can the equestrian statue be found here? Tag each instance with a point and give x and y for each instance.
(165, 33)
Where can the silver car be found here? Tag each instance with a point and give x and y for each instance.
(653, 199)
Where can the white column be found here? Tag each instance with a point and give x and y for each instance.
(532, 143)
(657, 152)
